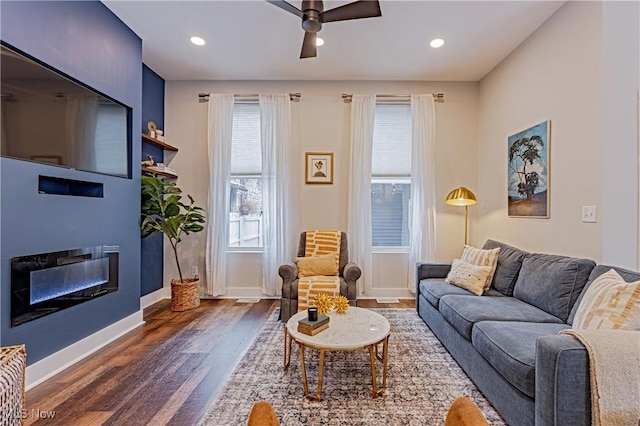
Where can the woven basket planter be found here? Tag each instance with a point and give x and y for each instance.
(13, 364)
(185, 295)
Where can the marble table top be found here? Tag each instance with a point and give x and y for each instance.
(355, 329)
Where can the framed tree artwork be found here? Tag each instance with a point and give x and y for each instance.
(528, 172)
(319, 167)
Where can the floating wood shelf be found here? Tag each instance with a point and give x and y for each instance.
(158, 143)
(158, 172)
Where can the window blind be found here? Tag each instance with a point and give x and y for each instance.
(391, 154)
(246, 151)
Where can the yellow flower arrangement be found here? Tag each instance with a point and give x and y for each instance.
(340, 304)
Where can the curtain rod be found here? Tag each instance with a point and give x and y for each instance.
(203, 97)
(437, 97)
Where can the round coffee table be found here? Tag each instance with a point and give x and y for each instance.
(356, 329)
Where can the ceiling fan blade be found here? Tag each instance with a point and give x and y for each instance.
(355, 10)
(308, 45)
(286, 6)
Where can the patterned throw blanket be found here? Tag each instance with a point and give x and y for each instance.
(319, 243)
(614, 357)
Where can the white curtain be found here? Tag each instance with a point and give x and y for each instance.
(82, 115)
(275, 135)
(423, 184)
(363, 109)
(219, 146)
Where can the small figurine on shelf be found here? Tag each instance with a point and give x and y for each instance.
(151, 126)
(148, 162)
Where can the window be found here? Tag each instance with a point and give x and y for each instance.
(245, 207)
(391, 175)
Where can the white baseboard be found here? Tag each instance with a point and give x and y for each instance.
(400, 293)
(242, 293)
(256, 292)
(65, 358)
(156, 296)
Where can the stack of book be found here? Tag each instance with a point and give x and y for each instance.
(313, 327)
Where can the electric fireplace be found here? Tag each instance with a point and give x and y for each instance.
(42, 284)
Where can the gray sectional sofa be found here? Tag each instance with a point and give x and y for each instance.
(507, 339)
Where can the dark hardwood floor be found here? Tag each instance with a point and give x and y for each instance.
(164, 372)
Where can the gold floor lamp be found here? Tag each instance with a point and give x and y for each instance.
(462, 197)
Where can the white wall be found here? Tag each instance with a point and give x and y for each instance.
(322, 124)
(581, 70)
(555, 74)
(619, 149)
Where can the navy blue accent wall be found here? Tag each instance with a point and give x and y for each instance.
(151, 248)
(86, 41)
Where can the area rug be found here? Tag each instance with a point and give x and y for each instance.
(423, 380)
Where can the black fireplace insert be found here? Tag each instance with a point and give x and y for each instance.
(42, 284)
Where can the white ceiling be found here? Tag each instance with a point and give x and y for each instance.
(254, 40)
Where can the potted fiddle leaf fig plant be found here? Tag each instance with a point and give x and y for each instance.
(163, 211)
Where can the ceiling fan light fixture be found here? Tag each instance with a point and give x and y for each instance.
(198, 41)
(319, 41)
(314, 16)
(436, 43)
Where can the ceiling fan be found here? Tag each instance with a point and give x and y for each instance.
(313, 16)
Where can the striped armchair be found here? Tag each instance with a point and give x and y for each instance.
(349, 273)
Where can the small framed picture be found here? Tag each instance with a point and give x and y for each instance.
(319, 167)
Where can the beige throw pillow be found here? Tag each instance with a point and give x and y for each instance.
(468, 276)
(480, 257)
(327, 264)
(609, 303)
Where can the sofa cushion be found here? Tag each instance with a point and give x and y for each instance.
(434, 288)
(552, 283)
(310, 266)
(510, 347)
(469, 276)
(509, 263)
(627, 275)
(482, 257)
(462, 312)
(609, 303)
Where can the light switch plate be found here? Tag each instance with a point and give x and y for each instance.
(589, 214)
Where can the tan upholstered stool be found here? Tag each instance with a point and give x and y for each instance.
(463, 412)
(262, 414)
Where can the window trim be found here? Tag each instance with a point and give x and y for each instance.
(390, 249)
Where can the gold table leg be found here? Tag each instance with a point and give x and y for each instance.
(374, 378)
(303, 369)
(287, 349)
(318, 396)
(373, 356)
(385, 360)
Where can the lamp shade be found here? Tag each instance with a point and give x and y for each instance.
(461, 197)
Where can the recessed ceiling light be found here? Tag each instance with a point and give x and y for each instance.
(198, 41)
(319, 41)
(436, 42)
